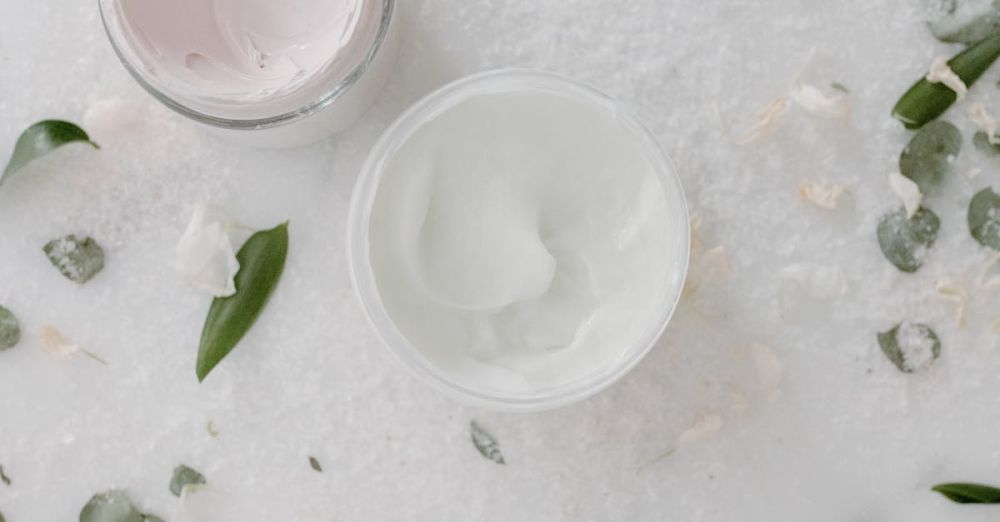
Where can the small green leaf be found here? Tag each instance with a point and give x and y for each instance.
(262, 259)
(315, 464)
(183, 476)
(984, 218)
(966, 493)
(837, 86)
(10, 335)
(42, 138)
(928, 158)
(906, 241)
(910, 346)
(925, 101)
(486, 443)
(3, 477)
(77, 259)
(110, 506)
(981, 141)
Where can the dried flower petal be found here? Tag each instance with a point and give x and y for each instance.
(766, 123)
(822, 195)
(813, 101)
(941, 73)
(952, 289)
(705, 426)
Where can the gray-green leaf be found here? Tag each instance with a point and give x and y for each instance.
(183, 476)
(906, 241)
(486, 443)
(10, 334)
(3, 477)
(984, 218)
(148, 518)
(110, 506)
(981, 141)
(910, 346)
(42, 138)
(968, 493)
(965, 21)
(77, 259)
(315, 464)
(928, 158)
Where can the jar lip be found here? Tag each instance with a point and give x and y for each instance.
(363, 278)
(325, 99)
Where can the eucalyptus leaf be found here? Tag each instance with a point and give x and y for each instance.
(963, 21)
(42, 138)
(183, 476)
(984, 218)
(110, 506)
(485, 443)
(837, 86)
(968, 493)
(10, 335)
(910, 346)
(928, 158)
(77, 259)
(981, 141)
(315, 464)
(906, 241)
(3, 477)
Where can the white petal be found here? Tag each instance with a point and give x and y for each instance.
(941, 73)
(813, 101)
(908, 192)
(984, 120)
(205, 255)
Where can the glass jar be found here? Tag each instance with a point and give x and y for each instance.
(311, 107)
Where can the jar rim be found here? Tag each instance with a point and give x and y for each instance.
(363, 277)
(284, 118)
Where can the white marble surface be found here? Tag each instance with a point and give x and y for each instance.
(845, 437)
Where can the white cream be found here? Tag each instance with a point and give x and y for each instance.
(522, 241)
(255, 59)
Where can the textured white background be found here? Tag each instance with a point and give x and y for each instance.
(848, 438)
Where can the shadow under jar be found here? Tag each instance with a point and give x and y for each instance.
(261, 73)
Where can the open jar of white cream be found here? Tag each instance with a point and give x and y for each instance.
(263, 72)
(518, 239)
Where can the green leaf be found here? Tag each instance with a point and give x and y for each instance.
(77, 259)
(837, 86)
(965, 21)
(928, 158)
(10, 335)
(926, 101)
(110, 506)
(910, 346)
(486, 443)
(981, 141)
(315, 464)
(183, 476)
(906, 241)
(984, 218)
(3, 477)
(42, 138)
(262, 259)
(966, 493)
